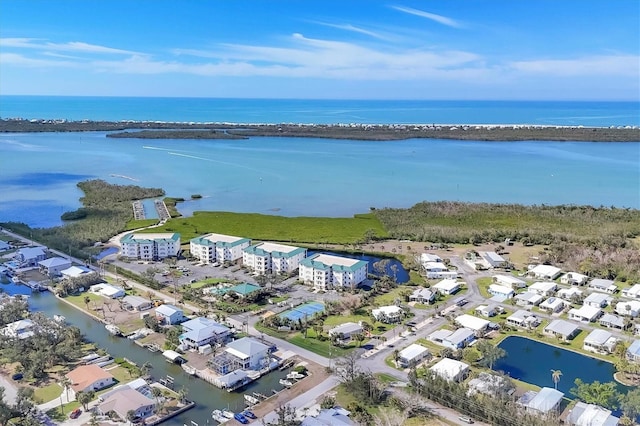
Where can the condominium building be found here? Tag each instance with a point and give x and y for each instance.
(212, 248)
(325, 271)
(150, 246)
(265, 258)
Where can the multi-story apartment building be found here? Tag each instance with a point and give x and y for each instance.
(265, 258)
(150, 246)
(213, 248)
(325, 271)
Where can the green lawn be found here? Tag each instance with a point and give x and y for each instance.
(121, 374)
(135, 224)
(276, 228)
(378, 327)
(78, 300)
(208, 281)
(483, 286)
(323, 348)
(47, 393)
(390, 297)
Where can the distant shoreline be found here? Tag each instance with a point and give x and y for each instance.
(368, 132)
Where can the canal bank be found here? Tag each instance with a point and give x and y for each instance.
(206, 397)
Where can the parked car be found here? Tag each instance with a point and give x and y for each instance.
(249, 414)
(17, 376)
(466, 419)
(75, 413)
(242, 419)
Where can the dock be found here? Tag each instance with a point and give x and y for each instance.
(161, 208)
(138, 210)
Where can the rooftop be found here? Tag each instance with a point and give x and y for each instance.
(275, 249)
(143, 238)
(223, 240)
(85, 375)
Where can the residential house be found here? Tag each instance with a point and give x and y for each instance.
(490, 384)
(633, 292)
(4, 246)
(53, 266)
(325, 271)
(488, 311)
(544, 272)
(478, 325)
(602, 285)
(125, 400)
(76, 272)
(346, 330)
(509, 281)
(543, 288)
(388, 314)
(246, 353)
(493, 259)
(136, 303)
(633, 352)
(412, 355)
(107, 290)
(265, 258)
(574, 278)
(501, 291)
(546, 401)
(612, 321)
(597, 300)
(528, 299)
(524, 319)
(212, 248)
(553, 305)
(169, 314)
(428, 257)
(438, 270)
(561, 329)
(583, 414)
(335, 416)
(447, 286)
(422, 295)
(21, 329)
(585, 313)
(89, 377)
(457, 339)
(630, 308)
(599, 341)
(450, 369)
(202, 331)
(569, 293)
(150, 246)
(30, 256)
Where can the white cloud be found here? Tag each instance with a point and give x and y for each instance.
(21, 60)
(353, 28)
(627, 65)
(73, 46)
(428, 15)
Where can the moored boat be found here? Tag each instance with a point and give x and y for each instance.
(228, 414)
(251, 399)
(217, 416)
(113, 329)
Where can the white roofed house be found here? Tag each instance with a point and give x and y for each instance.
(585, 313)
(154, 246)
(169, 314)
(211, 248)
(422, 295)
(553, 305)
(493, 259)
(453, 339)
(528, 299)
(545, 272)
(325, 271)
(490, 384)
(543, 288)
(602, 285)
(633, 352)
(429, 257)
(107, 290)
(265, 258)
(569, 293)
(478, 325)
(562, 329)
(447, 286)
(202, 331)
(346, 330)
(450, 369)
(630, 308)
(388, 314)
(583, 414)
(21, 329)
(30, 256)
(53, 266)
(412, 355)
(438, 270)
(574, 278)
(597, 300)
(524, 319)
(248, 353)
(487, 311)
(633, 292)
(509, 281)
(136, 303)
(612, 321)
(76, 272)
(599, 341)
(546, 401)
(501, 291)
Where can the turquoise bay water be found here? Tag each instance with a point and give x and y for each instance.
(312, 177)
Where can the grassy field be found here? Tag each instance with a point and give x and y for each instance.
(47, 393)
(135, 224)
(276, 228)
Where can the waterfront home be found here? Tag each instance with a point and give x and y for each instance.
(574, 278)
(265, 258)
(4, 246)
(51, 267)
(438, 270)
(412, 355)
(501, 291)
(487, 311)
(528, 299)
(325, 271)
(30, 256)
(633, 292)
(422, 295)
(599, 341)
(335, 416)
(544, 272)
(509, 281)
(138, 384)
(346, 330)
(492, 259)
(478, 325)
(125, 400)
(107, 290)
(585, 313)
(388, 314)
(428, 258)
(612, 321)
(602, 285)
(630, 308)
(553, 305)
(546, 401)
(136, 303)
(583, 414)
(76, 272)
(89, 377)
(597, 300)
(169, 314)
(447, 286)
(21, 329)
(524, 319)
(562, 329)
(242, 354)
(450, 369)
(543, 288)
(490, 384)
(569, 293)
(633, 352)
(457, 339)
(202, 331)
(212, 248)
(150, 246)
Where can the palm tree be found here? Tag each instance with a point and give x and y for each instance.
(396, 356)
(182, 395)
(555, 376)
(66, 385)
(87, 299)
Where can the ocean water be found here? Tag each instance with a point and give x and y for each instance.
(312, 177)
(321, 111)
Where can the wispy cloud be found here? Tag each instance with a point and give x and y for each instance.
(428, 15)
(628, 65)
(73, 46)
(353, 28)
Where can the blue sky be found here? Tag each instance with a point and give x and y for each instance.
(351, 49)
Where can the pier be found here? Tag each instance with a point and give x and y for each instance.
(161, 208)
(138, 210)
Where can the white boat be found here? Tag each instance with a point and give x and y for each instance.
(295, 375)
(217, 416)
(286, 383)
(113, 329)
(228, 414)
(59, 318)
(251, 399)
(189, 369)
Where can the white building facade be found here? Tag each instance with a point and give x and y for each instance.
(213, 248)
(150, 246)
(325, 271)
(265, 258)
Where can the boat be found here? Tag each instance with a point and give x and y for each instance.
(295, 375)
(153, 347)
(251, 399)
(249, 414)
(218, 417)
(59, 318)
(228, 414)
(260, 395)
(286, 383)
(189, 369)
(242, 419)
(113, 329)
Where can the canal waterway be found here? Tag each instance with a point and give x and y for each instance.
(206, 396)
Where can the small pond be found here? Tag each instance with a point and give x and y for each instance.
(402, 275)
